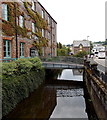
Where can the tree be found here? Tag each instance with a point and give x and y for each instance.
(80, 54)
(59, 45)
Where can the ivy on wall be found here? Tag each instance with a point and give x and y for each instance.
(40, 24)
(8, 27)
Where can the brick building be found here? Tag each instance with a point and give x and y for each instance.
(81, 45)
(27, 30)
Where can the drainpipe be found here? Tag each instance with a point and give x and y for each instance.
(51, 38)
(16, 30)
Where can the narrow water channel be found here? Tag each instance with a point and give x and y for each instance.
(62, 99)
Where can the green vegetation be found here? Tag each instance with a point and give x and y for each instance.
(40, 24)
(80, 54)
(62, 50)
(20, 78)
(99, 42)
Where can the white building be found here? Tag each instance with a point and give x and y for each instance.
(97, 48)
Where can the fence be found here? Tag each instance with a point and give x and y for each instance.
(8, 59)
(11, 59)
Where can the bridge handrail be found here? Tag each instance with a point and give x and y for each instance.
(96, 72)
(63, 59)
(8, 59)
(11, 59)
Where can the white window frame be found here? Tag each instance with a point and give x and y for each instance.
(7, 50)
(43, 14)
(48, 20)
(21, 49)
(21, 21)
(33, 27)
(5, 12)
(43, 33)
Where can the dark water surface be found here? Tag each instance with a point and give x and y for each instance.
(56, 100)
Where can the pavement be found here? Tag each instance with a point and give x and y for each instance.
(101, 64)
(100, 61)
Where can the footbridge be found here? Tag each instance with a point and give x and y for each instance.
(62, 65)
(63, 62)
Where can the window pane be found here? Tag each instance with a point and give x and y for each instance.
(4, 54)
(7, 48)
(43, 14)
(33, 27)
(21, 21)
(21, 49)
(8, 53)
(43, 33)
(4, 12)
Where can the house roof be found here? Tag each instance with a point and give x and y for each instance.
(85, 43)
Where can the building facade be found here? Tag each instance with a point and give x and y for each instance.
(97, 48)
(28, 30)
(81, 45)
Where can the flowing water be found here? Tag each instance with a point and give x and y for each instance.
(59, 97)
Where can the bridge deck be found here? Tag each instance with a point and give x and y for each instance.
(62, 65)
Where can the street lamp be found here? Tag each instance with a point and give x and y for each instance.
(88, 37)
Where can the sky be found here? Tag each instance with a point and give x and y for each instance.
(77, 19)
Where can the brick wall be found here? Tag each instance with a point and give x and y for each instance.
(77, 49)
(0, 32)
(28, 42)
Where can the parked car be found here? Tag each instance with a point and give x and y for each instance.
(101, 54)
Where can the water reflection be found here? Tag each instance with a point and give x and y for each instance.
(69, 107)
(39, 105)
(54, 100)
(57, 102)
(71, 74)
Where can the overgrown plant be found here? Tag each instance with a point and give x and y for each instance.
(19, 79)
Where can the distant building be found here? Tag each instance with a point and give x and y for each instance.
(81, 45)
(97, 48)
(71, 48)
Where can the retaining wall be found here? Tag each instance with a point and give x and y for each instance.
(97, 90)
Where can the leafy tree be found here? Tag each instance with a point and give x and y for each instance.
(62, 50)
(59, 45)
(80, 54)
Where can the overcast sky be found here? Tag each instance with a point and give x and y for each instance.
(77, 19)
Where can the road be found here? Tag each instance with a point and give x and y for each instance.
(102, 64)
(100, 61)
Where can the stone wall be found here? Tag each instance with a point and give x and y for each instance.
(97, 90)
